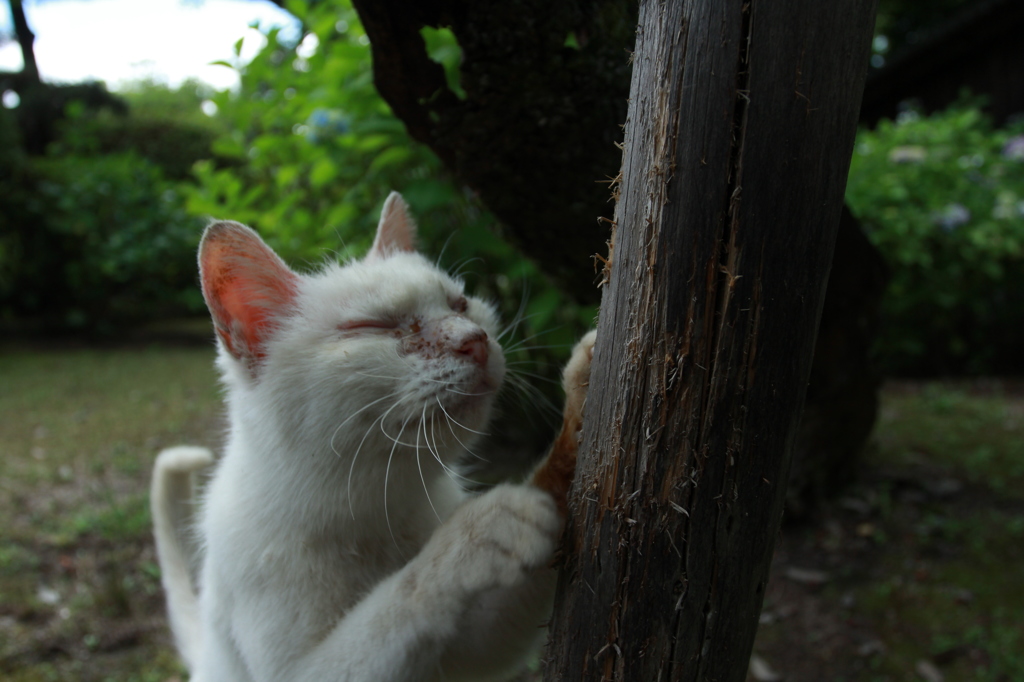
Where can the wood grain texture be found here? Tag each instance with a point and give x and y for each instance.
(741, 124)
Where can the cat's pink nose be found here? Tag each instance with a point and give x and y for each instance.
(474, 346)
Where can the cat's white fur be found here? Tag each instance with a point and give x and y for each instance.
(336, 541)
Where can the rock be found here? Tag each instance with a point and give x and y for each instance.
(928, 671)
(761, 671)
(806, 576)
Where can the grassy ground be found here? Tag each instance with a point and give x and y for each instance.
(917, 571)
(79, 586)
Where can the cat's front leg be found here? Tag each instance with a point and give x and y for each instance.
(401, 629)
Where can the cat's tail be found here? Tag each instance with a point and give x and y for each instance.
(171, 501)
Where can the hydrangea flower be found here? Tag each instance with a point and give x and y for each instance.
(325, 123)
(1014, 148)
(908, 154)
(951, 216)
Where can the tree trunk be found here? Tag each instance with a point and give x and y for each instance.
(741, 124)
(535, 133)
(25, 39)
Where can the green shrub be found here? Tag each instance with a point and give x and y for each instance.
(173, 146)
(943, 199)
(163, 125)
(95, 242)
(94, 233)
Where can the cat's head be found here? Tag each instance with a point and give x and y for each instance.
(391, 333)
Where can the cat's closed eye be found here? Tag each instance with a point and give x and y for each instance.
(367, 325)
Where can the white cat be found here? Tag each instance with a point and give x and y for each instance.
(336, 541)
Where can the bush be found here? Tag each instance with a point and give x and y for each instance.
(943, 199)
(94, 242)
(94, 233)
(163, 125)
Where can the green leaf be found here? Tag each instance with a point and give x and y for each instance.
(323, 172)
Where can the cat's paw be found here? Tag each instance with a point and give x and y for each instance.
(576, 379)
(496, 539)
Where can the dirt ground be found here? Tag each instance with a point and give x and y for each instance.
(915, 572)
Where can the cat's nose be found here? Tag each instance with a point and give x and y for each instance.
(474, 347)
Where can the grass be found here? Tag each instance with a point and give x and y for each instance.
(971, 431)
(79, 429)
(953, 590)
(926, 551)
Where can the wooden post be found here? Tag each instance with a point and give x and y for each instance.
(741, 124)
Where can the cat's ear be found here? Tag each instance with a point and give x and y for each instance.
(396, 230)
(247, 287)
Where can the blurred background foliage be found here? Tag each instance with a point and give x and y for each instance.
(901, 24)
(93, 233)
(942, 197)
(100, 230)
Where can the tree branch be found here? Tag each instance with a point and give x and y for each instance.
(25, 39)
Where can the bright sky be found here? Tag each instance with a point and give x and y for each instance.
(122, 40)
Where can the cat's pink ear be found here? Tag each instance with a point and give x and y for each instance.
(247, 287)
(396, 230)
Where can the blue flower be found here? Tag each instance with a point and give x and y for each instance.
(951, 216)
(326, 123)
(1014, 148)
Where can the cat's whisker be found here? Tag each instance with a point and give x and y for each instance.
(420, 466)
(449, 421)
(440, 256)
(436, 452)
(529, 389)
(395, 439)
(531, 361)
(522, 342)
(370, 429)
(519, 317)
(387, 471)
(377, 376)
(525, 388)
(524, 300)
(479, 433)
(461, 265)
(521, 346)
(452, 390)
(539, 377)
(352, 466)
(432, 450)
(452, 473)
(353, 416)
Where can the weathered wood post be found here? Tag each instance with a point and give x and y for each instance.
(741, 124)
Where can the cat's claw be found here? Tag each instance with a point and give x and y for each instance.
(576, 379)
